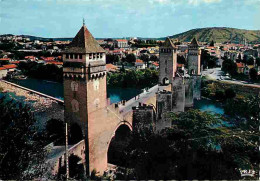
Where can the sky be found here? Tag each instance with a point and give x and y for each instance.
(124, 18)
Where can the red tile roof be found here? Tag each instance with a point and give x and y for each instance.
(155, 63)
(240, 65)
(5, 59)
(180, 65)
(30, 57)
(56, 63)
(111, 66)
(139, 61)
(48, 58)
(10, 66)
(121, 40)
(2, 68)
(15, 62)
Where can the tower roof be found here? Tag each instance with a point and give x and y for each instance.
(194, 42)
(84, 42)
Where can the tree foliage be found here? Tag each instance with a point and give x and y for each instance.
(40, 71)
(145, 58)
(228, 66)
(198, 145)
(55, 131)
(139, 78)
(21, 146)
(130, 58)
(253, 74)
(207, 60)
(112, 58)
(230, 93)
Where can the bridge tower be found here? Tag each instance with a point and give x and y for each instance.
(194, 66)
(194, 56)
(168, 62)
(85, 93)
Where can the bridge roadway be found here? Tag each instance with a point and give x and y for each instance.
(141, 98)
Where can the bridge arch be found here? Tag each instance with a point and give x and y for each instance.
(192, 72)
(118, 143)
(165, 81)
(75, 134)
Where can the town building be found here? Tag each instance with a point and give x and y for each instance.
(121, 43)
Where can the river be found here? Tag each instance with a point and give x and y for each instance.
(55, 89)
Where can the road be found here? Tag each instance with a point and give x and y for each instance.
(124, 109)
(217, 74)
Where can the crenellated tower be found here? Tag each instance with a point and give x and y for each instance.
(84, 87)
(168, 62)
(194, 58)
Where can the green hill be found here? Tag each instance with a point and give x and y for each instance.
(219, 35)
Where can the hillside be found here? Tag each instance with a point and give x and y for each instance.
(219, 35)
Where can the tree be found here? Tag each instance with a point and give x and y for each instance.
(21, 145)
(228, 66)
(198, 145)
(239, 57)
(220, 95)
(130, 58)
(230, 93)
(55, 130)
(245, 57)
(212, 62)
(154, 58)
(181, 59)
(250, 61)
(253, 74)
(211, 43)
(257, 61)
(205, 56)
(145, 58)
(76, 170)
(112, 58)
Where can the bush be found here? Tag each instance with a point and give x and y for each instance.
(220, 95)
(55, 130)
(230, 93)
(205, 92)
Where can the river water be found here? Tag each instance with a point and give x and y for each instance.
(55, 89)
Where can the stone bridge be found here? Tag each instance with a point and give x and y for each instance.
(110, 119)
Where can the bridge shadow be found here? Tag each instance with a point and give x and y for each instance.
(116, 151)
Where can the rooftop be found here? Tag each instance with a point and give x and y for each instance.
(84, 42)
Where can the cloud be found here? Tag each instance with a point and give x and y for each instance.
(197, 2)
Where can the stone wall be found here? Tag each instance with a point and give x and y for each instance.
(197, 87)
(178, 100)
(143, 116)
(188, 92)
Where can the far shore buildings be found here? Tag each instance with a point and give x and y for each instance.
(122, 43)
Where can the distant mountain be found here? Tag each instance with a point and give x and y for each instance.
(219, 35)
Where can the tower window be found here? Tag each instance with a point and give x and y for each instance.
(71, 56)
(76, 56)
(97, 55)
(94, 55)
(67, 56)
(80, 56)
(90, 56)
(101, 55)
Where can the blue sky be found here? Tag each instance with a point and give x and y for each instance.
(123, 18)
